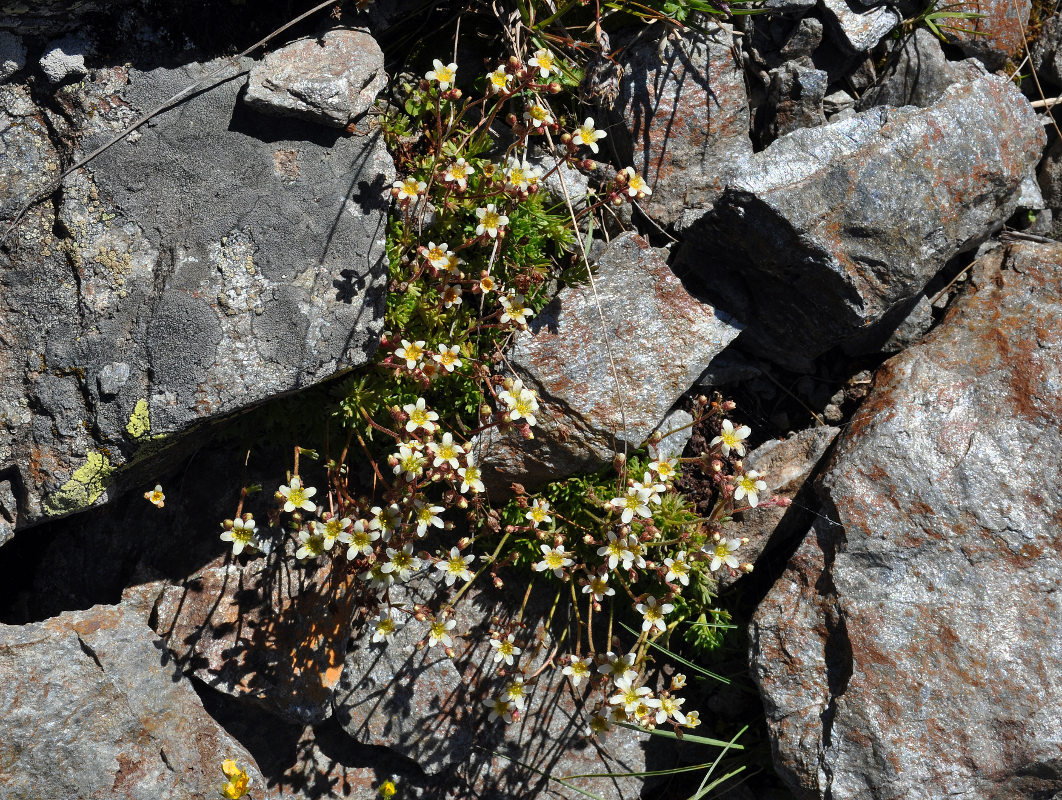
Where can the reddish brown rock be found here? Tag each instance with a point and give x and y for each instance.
(272, 631)
(997, 38)
(913, 645)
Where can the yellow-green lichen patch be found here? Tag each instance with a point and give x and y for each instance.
(85, 486)
(139, 421)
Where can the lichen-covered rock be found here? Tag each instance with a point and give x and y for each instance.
(332, 81)
(813, 243)
(997, 37)
(660, 339)
(90, 706)
(684, 118)
(273, 631)
(911, 648)
(165, 288)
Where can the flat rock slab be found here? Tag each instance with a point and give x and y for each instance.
(91, 707)
(912, 647)
(267, 630)
(660, 339)
(331, 81)
(834, 229)
(212, 260)
(684, 118)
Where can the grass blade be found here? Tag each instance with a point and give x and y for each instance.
(686, 737)
(681, 660)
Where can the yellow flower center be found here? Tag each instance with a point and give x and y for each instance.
(411, 463)
(418, 416)
(490, 220)
(435, 254)
(652, 613)
(456, 565)
(444, 75)
(587, 134)
(425, 514)
(401, 559)
(579, 668)
(471, 474)
(516, 176)
(506, 648)
(297, 497)
(545, 61)
(438, 630)
(538, 113)
(413, 352)
(242, 535)
(410, 187)
(731, 439)
(554, 560)
(499, 79)
(446, 359)
(538, 513)
(721, 550)
(386, 626)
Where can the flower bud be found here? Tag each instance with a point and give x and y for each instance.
(554, 87)
(729, 405)
(746, 568)
(565, 138)
(498, 582)
(655, 438)
(227, 524)
(511, 120)
(619, 460)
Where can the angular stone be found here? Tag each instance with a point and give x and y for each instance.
(12, 54)
(1049, 175)
(1046, 51)
(331, 81)
(65, 59)
(220, 281)
(684, 118)
(785, 466)
(994, 39)
(795, 98)
(660, 338)
(911, 648)
(856, 28)
(813, 242)
(91, 707)
(917, 74)
(267, 631)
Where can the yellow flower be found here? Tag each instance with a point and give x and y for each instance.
(155, 496)
(238, 781)
(388, 790)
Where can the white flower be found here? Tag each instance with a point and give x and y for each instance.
(459, 172)
(498, 81)
(629, 696)
(538, 116)
(471, 476)
(749, 484)
(664, 467)
(678, 569)
(426, 514)
(522, 402)
(693, 719)
(455, 567)
(451, 297)
(670, 707)
(587, 134)
(439, 631)
(515, 691)
(419, 416)
(331, 527)
(446, 451)
(500, 707)
(653, 613)
(298, 496)
(490, 221)
(722, 552)
(379, 579)
(383, 627)
(598, 726)
(504, 649)
(515, 310)
(385, 520)
(156, 496)
(360, 540)
(599, 588)
(616, 550)
(578, 670)
(410, 461)
(447, 357)
(312, 545)
(637, 551)
(618, 667)
(655, 489)
(409, 188)
(544, 61)
(636, 185)
(554, 558)
(400, 563)
(732, 438)
(241, 535)
(444, 74)
(539, 512)
(411, 352)
(437, 255)
(521, 175)
(634, 502)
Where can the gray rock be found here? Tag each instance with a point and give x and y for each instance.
(858, 29)
(677, 428)
(785, 466)
(838, 103)
(777, 40)
(1049, 175)
(661, 339)
(825, 244)
(332, 81)
(684, 118)
(917, 74)
(909, 649)
(791, 6)
(1046, 51)
(65, 59)
(794, 98)
(996, 38)
(1030, 198)
(221, 282)
(90, 707)
(914, 326)
(12, 54)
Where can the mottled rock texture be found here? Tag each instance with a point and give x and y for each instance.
(164, 288)
(1046, 51)
(331, 80)
(917, 73)
(684, 118)
(911, 649)
(996, 38)
(813, 243)
(91, 707)
(794, 98)
(660, 339)
(856, 28)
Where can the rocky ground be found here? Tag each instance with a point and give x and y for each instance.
(851, 232)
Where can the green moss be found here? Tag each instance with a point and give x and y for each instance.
(85, 486)
(139, 421)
